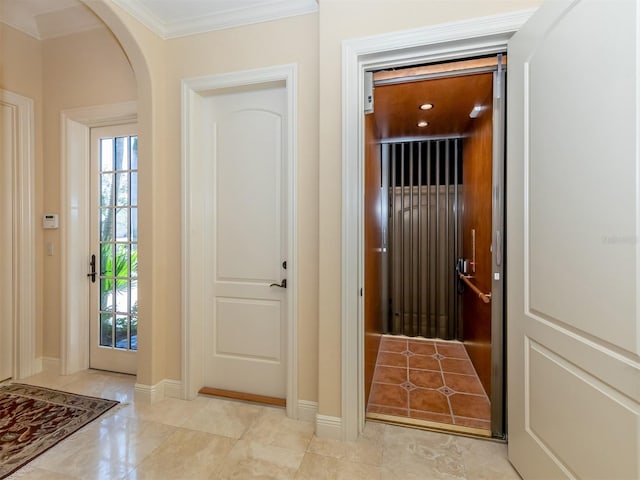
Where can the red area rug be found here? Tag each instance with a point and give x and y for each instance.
(34, 419)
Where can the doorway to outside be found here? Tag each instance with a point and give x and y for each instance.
(433, 271)
(113, 257)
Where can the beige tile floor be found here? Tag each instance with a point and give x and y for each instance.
(210, 438)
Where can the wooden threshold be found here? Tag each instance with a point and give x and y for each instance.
(427, 425)
(246, 397)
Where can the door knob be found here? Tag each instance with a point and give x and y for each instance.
(283, 284)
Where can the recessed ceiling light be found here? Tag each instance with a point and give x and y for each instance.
(426, 106)
(422, 123)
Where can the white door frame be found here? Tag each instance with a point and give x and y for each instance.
(24, 362)
(193, 216)
(75, 142)
(468, 38)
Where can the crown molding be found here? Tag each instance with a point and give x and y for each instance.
(217, 21)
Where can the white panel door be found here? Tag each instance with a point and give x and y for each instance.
(245, 339)
(573, 190)
(7, 152)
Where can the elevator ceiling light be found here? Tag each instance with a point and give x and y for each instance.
(422, 123)
(426, 106)
(476, 111)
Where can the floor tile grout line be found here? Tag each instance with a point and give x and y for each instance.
(441, 371)
(476, 374)
(406, 375)
(444, 384)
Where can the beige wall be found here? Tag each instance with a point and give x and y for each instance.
(90, 69)
(243, 48)
(21, 73)
(340, 20)
(79, 70)
(147, 52)
(166, 64)
(73, 78)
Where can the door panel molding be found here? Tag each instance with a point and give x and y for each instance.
(75, 144)
(194, 280)
(450, 41)
(572, 297)
(25, 362)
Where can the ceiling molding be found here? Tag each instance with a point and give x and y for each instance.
(220, 19)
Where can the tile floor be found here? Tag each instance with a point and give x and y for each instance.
(210, 438)
(428, 380)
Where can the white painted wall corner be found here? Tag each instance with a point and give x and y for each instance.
(329, 427)
(163, 389)
(307, 410)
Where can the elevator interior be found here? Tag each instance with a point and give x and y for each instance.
(434, 165)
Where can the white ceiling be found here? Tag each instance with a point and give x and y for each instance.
(45, 19)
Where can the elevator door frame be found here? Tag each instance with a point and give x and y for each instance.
(498, 365)
(466, 39)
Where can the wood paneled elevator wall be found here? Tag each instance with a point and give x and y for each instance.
(476, 217)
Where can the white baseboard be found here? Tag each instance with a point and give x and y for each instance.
(150, 393)
(173, 388)
(161, 390)
(37, 365)
(328, 427)
(307, 410)
(47, 364)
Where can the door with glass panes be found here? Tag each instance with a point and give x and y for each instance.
(113, 259)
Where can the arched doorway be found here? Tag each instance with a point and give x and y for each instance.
(74, 358)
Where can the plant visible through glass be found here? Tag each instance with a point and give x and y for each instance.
(119, 242)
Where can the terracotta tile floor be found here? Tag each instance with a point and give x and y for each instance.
(428, 380)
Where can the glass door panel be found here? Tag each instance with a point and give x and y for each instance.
(114, 236)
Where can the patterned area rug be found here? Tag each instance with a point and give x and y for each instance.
(34, 419)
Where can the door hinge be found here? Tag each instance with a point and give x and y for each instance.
(499, 78)
(368, 92)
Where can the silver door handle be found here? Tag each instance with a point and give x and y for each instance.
(283, 284)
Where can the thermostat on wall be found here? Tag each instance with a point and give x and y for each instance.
(50, 220)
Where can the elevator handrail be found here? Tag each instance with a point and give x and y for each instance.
(485, 297)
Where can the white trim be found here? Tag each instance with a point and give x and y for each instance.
(155, 393)
(150, 393)
(218, 20)
(24, 240)
(173, 388)
(49, 364)
(75, 126)
(192, 324)
(307, 410)
(435, 43)
(329, 427)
